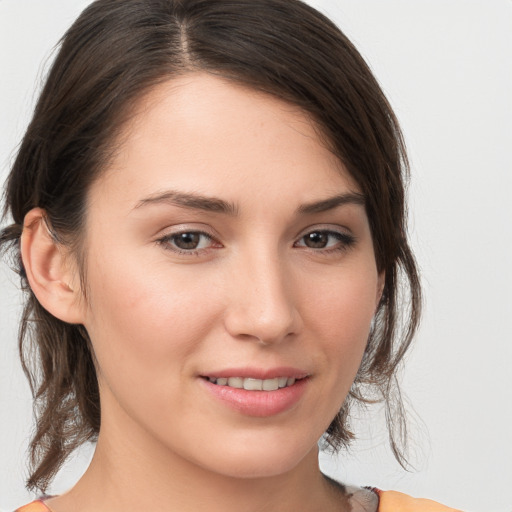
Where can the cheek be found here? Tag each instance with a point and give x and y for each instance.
(345, 305)
(139, 314)
(341, 314)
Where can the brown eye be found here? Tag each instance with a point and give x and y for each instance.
(187, 240)
(317, 239)
(326, 240)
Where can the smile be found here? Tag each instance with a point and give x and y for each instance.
(281, 391)
(250, 384)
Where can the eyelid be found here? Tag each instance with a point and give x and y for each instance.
(326, 228)
(187, 228)
(344, 235)
(164, 239)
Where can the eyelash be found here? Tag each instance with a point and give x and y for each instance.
(345, 242)
(168, 242)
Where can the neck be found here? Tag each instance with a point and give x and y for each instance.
(144, 480)
(133, 470)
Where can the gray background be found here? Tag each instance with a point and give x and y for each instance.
(446, 66)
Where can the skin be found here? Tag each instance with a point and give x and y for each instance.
(253, 293)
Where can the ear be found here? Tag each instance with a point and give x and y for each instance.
(47, 265)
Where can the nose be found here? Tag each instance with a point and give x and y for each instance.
(262, 305)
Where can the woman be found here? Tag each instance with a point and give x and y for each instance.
(208, 211)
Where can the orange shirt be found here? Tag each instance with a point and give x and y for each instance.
(35, 506)
(392, 501)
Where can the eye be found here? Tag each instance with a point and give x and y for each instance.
(325, 239)
(187, 241)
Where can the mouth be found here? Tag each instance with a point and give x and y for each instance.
(257, 392)
(252, 384)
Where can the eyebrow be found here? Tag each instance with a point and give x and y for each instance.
(214, 204)
(331, 203)
(193, 201)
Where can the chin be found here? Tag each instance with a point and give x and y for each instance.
(260, 459)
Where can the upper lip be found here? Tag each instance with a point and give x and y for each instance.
(258, 373)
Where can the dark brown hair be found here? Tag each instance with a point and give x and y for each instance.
(115, 52)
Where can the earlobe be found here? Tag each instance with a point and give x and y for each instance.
(48, 270)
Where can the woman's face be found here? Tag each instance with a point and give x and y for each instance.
(226, 247)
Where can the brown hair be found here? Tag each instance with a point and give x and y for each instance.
(111, 55)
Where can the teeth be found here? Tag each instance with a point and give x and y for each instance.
(282, 381)
(270, 384)
(251, 384)
(236, 382)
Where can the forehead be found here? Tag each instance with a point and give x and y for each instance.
(205, 134)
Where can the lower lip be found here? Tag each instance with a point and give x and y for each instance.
(258, 403)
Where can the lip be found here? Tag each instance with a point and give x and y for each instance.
(259, 404)
(258, 373)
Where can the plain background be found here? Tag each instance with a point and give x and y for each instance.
(446, 66)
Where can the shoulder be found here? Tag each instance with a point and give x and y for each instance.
(35, 506)
(393, 501)
(371, 499)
